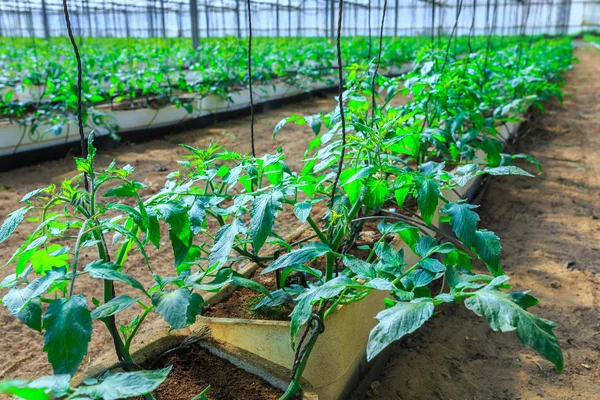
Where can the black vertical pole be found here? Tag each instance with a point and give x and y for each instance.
(194, 23)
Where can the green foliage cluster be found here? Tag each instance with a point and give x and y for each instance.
(155, 73)
(410, 155)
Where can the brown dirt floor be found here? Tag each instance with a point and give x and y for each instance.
(20, 347)
(550, 231)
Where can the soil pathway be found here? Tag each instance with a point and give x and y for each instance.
(550, 231)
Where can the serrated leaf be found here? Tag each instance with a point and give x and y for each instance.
(16, 299)
(505, 170)
(263, 212)
(113, 307)
(303, 309)
(35, 192)
(488, 247)
(362, 269)
(12, 222)
(179, 308)
(505, 315)
(428, 193)
(298, 256)
(240, 280)
(224, 241)
(125, 190)
(68, 326)
(463, 222)
(302, 210)
(396, 322)
(37, 389)
(197, 214)
(432, 265)
(124, 385)
(110, 271)
(178, 219)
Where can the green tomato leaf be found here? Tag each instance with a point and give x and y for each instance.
(505, 170)
(298, 256)
(428, 193)
(396, 322)
(302, 210)
(16, 300)
(111, 271)
(463, 222)
(38, 389)
(488, 247)
(303, 309)
(68, 326)
(224, 241)
(12, 222)
(505, 315)
(113, 307)
(125, 190)
(264, 211)
(179, 307)
(124, 385)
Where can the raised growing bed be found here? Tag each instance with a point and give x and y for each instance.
(341, 354)
(231, 372)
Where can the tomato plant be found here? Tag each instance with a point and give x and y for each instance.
(222, 208)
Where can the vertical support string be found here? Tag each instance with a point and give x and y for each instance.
(340, 102)
(373, 104)
(79, 81)
(250, 78)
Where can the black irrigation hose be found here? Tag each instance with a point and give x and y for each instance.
(341, 102)
(378, 63)
(250, 78)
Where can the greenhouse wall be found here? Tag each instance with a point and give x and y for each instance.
(172, 18)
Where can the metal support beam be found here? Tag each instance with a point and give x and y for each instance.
(45, 20)
(397, 11)
(194, 23)
(332, 19)
(207, 19)
(237, 18)
(163, 19)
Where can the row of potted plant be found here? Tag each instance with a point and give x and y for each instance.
(369, 161)
(38, 89)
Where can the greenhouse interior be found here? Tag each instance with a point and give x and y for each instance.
(286, 199)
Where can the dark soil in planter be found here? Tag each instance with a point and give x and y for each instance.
(195, 368)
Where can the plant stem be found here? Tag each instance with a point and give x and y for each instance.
(294, 386)
(318, 231)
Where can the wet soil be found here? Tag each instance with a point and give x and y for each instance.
(550, 232)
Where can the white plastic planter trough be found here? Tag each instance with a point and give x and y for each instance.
(16, 138)
(145, 118)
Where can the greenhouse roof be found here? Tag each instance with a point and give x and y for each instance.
(34, 5)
